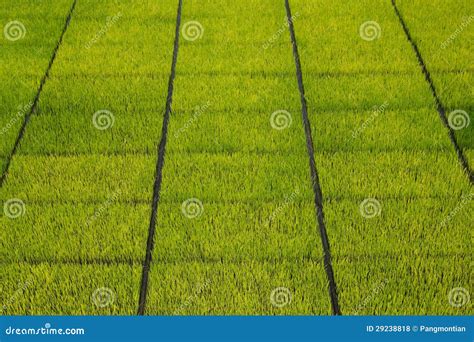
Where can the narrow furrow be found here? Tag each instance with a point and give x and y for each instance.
(318, 195)
(439, 105)
(37, 96)
(105, 238)
(253, 207)
(368, 209)
(159, 172)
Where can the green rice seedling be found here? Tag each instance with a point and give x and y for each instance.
(233, 132)
(75, 245)
(397, 206)
(402, 284)
(283, 230)
(388, 174)
(443, 31)
(236, 227)
(27, 43)
(79, 178)
(236, 202)
(380, 129)
(242, 288)
(108, 231)
(432, 227)
(235, 177)
(65, 289)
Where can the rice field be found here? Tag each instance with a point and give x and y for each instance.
(185, 157)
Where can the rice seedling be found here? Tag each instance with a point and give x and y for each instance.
(208, 131)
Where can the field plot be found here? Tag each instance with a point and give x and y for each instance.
(182, 157)
(240, 180)
(24, 61)
(86, 189)
(444, 35)
(386, 151)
